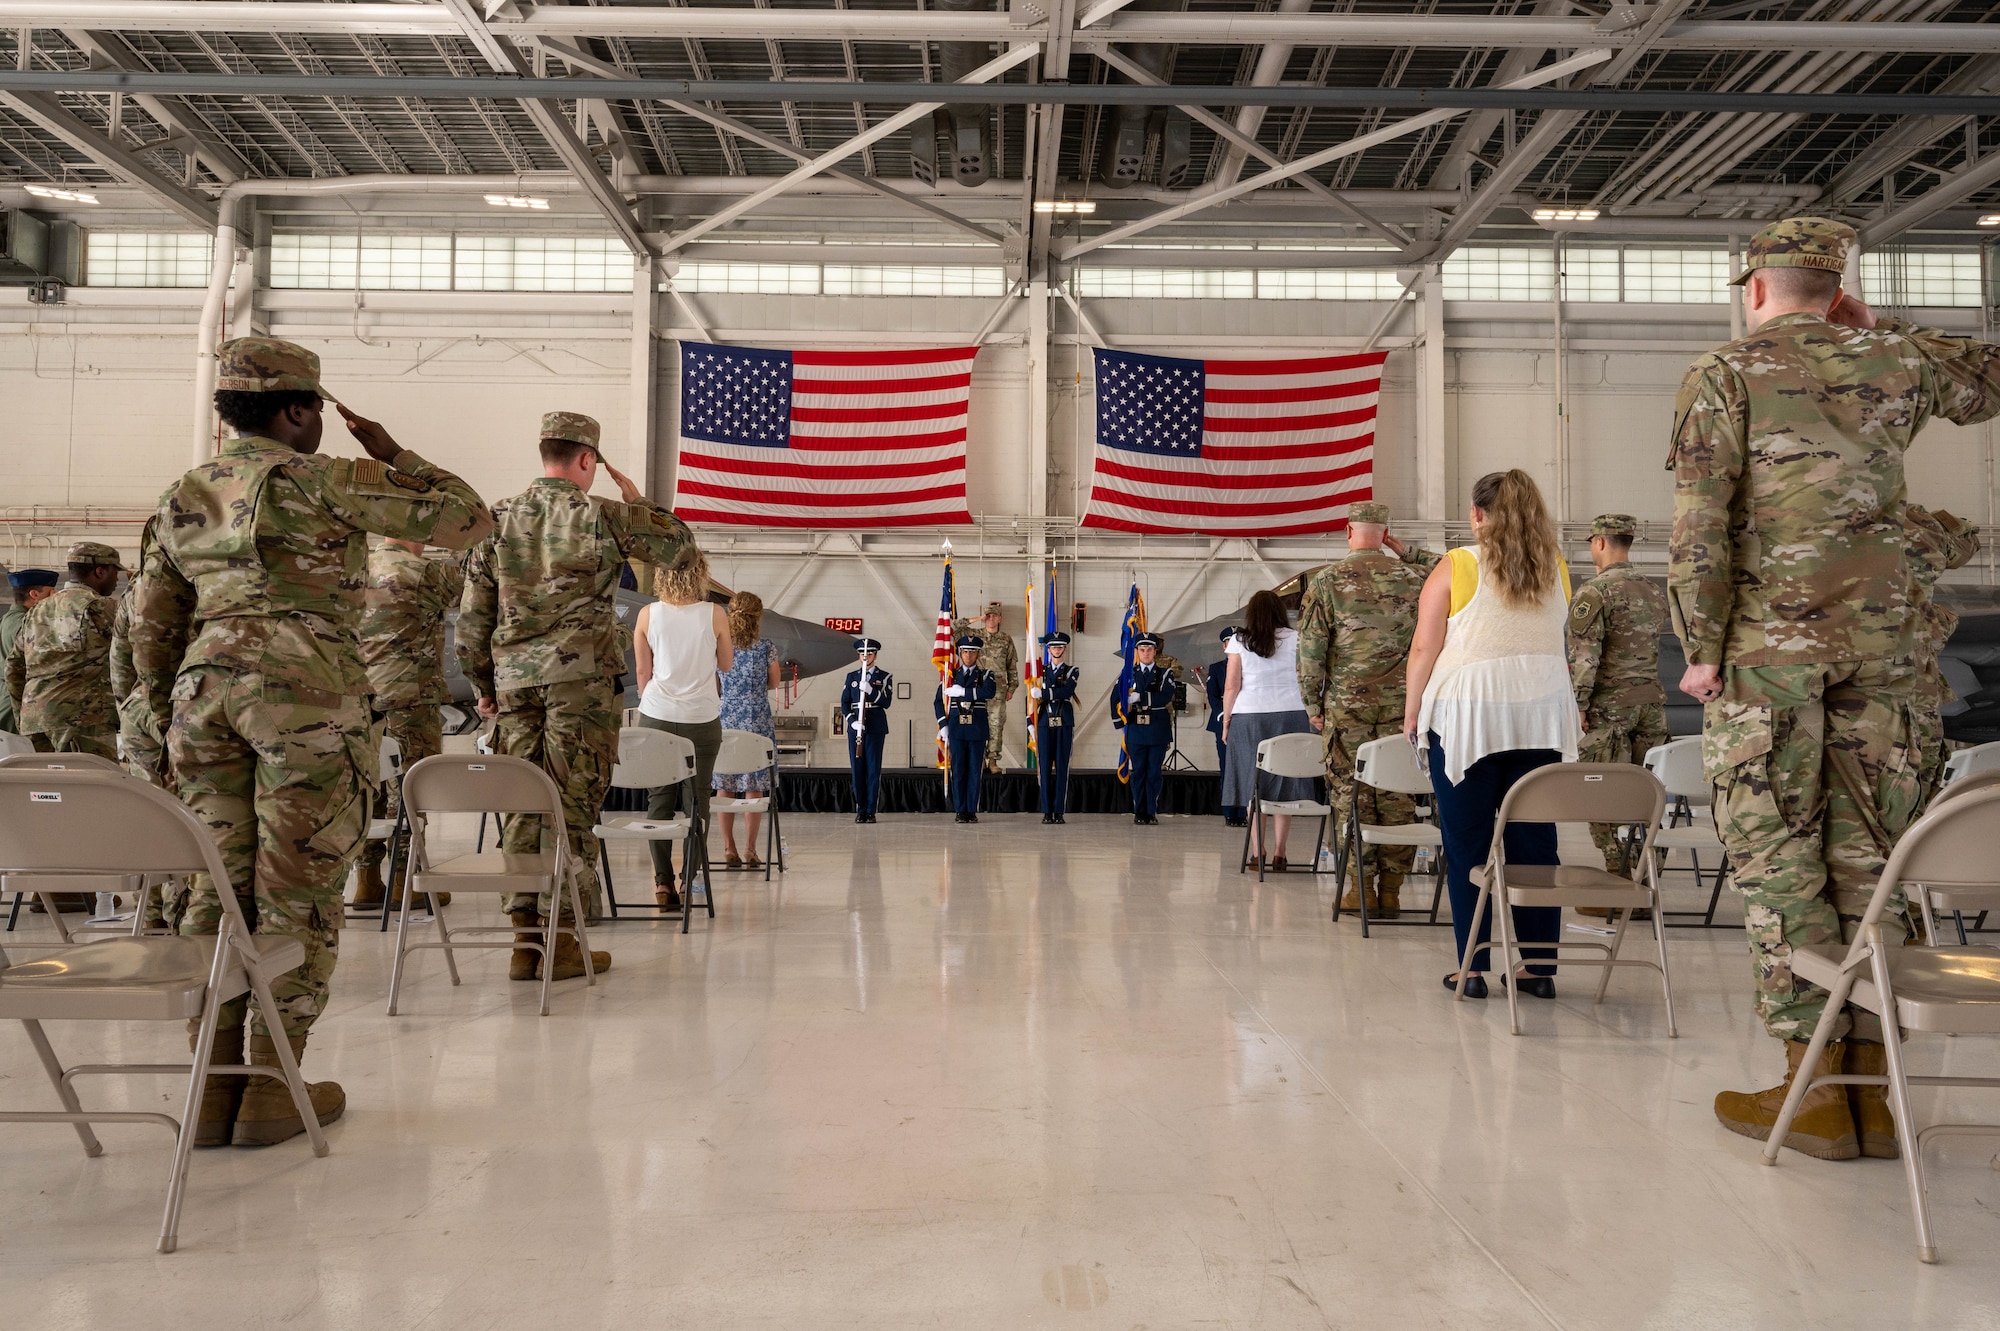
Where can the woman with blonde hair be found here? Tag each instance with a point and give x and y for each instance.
(682, 646)
(1490, 701)
(746, 705)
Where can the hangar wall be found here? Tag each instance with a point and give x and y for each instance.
(98, 402)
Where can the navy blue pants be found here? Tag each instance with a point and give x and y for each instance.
(1236, 811)
(1466, 813)
(968, 764)
(1148, 755)
(865, 762)
(1052, 753)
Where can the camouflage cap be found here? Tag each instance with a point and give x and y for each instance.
(574, 426)
(95, 554)
(1614, 524)
(1369, 510)
(1798, 242)
(267, 365)
(993, 608)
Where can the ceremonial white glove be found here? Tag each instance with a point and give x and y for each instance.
(955, 691)
(940, 734)
(1035, 694)
(854, 726)
(1133, 696)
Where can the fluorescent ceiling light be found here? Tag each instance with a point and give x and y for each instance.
(517, 201)
(1565, 214)
(1989, 219)
(1084, 206)
(64, 195)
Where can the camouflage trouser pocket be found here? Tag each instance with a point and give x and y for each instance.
(346, 826)
(1733, 734)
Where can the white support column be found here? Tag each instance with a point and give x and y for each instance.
(645, 373)
(1560, 444)
(1736, 328)
(1431, 502)
(1038, 398)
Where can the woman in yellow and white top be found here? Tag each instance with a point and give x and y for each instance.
(1490, 700)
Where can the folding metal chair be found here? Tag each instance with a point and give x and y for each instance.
(1572, 793)
(647, 759)
(1973, 758)
(743, 754)
(138, 886)
(1690, 824)
(1387, 764)
(1932, 900)
(388, 764)
(1303, 756)
(479, 783)
(1922, 990)
(92, 823)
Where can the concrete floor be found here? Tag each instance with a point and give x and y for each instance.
(996, 1077)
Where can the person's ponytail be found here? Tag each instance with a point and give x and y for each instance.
(1517, 544)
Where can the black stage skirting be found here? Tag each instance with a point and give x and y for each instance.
(1096, 790)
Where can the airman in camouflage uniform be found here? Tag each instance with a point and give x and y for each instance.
(243, 642)
(539, 640)
(402, 649)
(59, 667)
(1939, 542)
(29, 587)
(1791, 590)
(1615, 621)
(1356, 620)
(144, 748)
(1003, 658)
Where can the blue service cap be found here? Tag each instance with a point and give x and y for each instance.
(1056, 640)
(1147, 640)
(1229, 633)
(26, 578)
(970, 642)
(866, 645)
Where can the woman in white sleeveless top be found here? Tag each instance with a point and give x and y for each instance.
(1490, 701)
(681, 643)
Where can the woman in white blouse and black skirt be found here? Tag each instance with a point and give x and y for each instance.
(1490, 701)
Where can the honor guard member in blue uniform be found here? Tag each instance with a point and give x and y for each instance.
(1149, 726)
(1217, 677)
(864, 709)
(960, 705)
(1055, 725)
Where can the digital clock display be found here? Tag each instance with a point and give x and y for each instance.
(844, 625)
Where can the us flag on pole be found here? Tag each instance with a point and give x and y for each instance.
(823, 438)
(1232, 447)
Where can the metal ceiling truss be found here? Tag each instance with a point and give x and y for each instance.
(1874, 108)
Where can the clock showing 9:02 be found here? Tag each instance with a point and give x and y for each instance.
(845, 625)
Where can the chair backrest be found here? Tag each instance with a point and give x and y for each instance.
(61, 762)
(1391, 764)
(11, 744)
(479, 783)
(743, 753)
(1677, 764)
(1965, 785)
(390, 760)
(87, 820)
(1301, 755)
(1584, 793)
(1978, 758)
(1951, 846)
(648, 758)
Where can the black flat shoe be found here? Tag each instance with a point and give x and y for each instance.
(1048, 818)
(1475, 985)
(1535, 986)
(971, 817)
(1059, 818)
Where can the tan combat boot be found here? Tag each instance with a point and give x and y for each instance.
(1870, 1104)
(1823, 1127)
(1350, 897)
(220, 1096)
(268, 1115)
(1391, 896)
(526, 962)
(568, 960)
(372, 892)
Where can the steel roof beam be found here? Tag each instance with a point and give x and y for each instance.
(1954, 189)
(1451, 100)
(44, 110)
(902, 26)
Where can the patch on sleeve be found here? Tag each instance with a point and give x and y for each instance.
(404, 480)
(1583, 611)
(368, 471)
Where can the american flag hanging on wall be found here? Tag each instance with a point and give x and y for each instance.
(1232, 447)
(823, 438)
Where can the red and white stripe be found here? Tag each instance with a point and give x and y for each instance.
(878, 440)
(1286, 446)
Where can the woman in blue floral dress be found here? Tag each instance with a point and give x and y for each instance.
(746, 705)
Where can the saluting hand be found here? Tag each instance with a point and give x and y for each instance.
(629, 492)
(370, 435)
(1853, 313)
